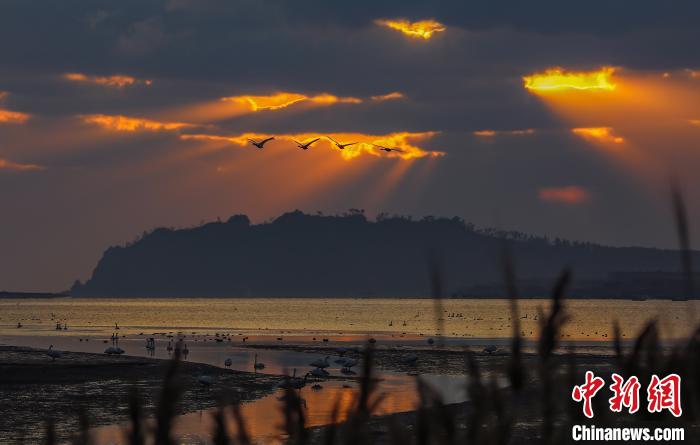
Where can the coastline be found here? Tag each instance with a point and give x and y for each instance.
(99, 385)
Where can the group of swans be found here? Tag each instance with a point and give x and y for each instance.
(114, 350)
(293, 382)
(320, 365)
(256, 364)
(306, 145)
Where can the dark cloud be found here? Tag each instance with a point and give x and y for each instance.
(96, 190)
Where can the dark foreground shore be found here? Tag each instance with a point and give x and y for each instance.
(33, 388)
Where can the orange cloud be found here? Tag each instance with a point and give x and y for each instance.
(571, 195)
(558, 79)
(281, 100)
(492, 133)
(405, 142)
(13, 117)
(695, 122)
(15, 166)
(646, 118)
(234, 106)
(116, 81)
(131, 124)
(598, 134)
(390, 96)
(422, 29)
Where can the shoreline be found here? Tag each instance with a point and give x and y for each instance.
(60, 295)
(99, 385)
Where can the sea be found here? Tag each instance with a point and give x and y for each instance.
(90, 324)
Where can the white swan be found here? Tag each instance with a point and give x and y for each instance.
(318, 363)
(410, 359)
(205, 381)
(292, 382)
(257, 364)
(54, 354)
(114, 350)
(490, 349)
(319, 372)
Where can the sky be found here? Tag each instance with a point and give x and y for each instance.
(548, 117)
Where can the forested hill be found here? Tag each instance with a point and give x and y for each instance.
(314, 255)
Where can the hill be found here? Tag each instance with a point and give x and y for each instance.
(299, 254)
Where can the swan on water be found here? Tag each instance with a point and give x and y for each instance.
(490, 349)
(54, 354)
(112, 350)
(205, 380)
(318, 363)
(410, 359)
(319, 372)
(257, 364)
(293, 382)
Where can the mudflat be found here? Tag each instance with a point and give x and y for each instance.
(33, 387)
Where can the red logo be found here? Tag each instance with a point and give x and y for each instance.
(625, 394)
(662, 394)
(665, 394)
(587, 391)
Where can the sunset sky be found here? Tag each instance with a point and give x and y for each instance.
(118, 117)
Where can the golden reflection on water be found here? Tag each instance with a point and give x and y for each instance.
(590, 320)
(264, 416)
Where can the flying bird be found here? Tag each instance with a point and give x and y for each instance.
(339, 145)
(306, 145)
(260, 144)
(388, 149)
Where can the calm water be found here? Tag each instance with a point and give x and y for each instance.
(590, 320)
(393, 322)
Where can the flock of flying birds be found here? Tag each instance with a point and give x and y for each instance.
(305, 145)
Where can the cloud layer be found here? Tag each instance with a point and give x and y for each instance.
(122, 116)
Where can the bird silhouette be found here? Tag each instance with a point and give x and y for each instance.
(306, 145)
(319, 363)
(54, 354)
(257, 364)
(388, 149)
(339, 145)
(260, 144)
